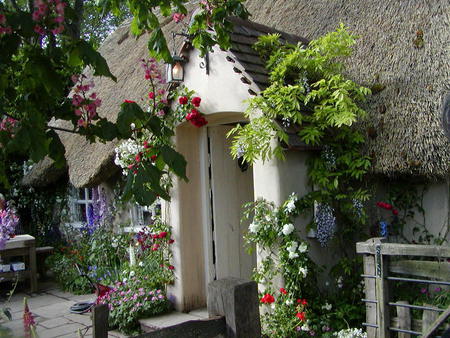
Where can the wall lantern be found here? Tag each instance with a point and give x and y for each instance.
(175, 69)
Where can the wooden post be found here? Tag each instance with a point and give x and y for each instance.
(428, 318)
(100, 315)
(33, 270)
(404, 319)
(382, 291)
(369, 287)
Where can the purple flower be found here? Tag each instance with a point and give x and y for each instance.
(423, 290)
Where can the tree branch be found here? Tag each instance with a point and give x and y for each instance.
(63, 129)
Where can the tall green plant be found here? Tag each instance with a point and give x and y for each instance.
(308, 90)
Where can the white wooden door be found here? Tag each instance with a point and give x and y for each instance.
(231, 188)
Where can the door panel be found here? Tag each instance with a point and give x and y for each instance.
(231, 188)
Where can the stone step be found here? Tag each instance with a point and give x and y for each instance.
(169, 319)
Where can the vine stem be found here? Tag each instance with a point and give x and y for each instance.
(49, 127)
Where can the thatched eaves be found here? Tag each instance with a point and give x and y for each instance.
(402, 50)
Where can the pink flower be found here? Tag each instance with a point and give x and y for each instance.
(171, 267)
(59, 19)
(58, 30)
(177, 17)
(38, 29)
(2, 19)
(151, 95)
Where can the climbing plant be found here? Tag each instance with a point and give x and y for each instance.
(308, 90)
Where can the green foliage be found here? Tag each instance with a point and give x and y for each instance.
(309, 93)
(39, 56)
(300, 309)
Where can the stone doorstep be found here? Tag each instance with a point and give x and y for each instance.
(170, 319)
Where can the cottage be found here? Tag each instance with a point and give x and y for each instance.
(401, 54)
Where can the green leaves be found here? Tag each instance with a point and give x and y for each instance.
(130, 112)
(157, 46)
(82, 53)
(175, 161)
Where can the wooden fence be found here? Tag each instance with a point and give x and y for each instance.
(385, 263)
(233, 308)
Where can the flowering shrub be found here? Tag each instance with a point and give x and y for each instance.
(351, 333)
(84, 101)
(8, 223)
(298, 308)
(148, 155)
(49, 16)
(131, 300)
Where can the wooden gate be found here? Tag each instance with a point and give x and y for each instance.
(428, 263)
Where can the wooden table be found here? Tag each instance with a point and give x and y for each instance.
(22, 245)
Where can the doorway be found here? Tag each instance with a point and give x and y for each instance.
(231, 186)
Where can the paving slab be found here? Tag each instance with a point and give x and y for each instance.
(200, 313)
(59, 330)
(55, 322)
(165, 320)
(57, 309)
(84, 318)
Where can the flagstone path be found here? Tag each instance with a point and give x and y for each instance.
(50, 307)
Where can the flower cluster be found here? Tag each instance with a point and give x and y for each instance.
(28, 320)
(49, 16)
(8, 124)
(178, 17)
(130, 301)
(193, 115)
(85, 102)
(152, 72)
(325, 223)
(8, 223)
(4, 28)
(128, 154)
(351, 333)
(387, 206)
(294, 249)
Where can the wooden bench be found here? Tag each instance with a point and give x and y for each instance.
(22, 245)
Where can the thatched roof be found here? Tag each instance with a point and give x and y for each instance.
(404, 130)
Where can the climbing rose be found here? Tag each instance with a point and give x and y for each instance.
(183, 100)
(196, 101)
(283, 291)
(267, 299)
(301, 316)
(151, 95)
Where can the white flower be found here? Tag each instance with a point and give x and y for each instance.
(303, 247)
(303, 271)
(132, 273)
(290, 205)
(287, 229)
(125, 280)
(254, 227)
(351, 333)
(273, 306)
(292, 247)
(141, 264)
(114, 243)
(293, 255)
(289, 302)
(340, 282)
(132, 126)
(327, 307)
(305, 327)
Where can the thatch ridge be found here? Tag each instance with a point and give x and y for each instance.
(404, 122)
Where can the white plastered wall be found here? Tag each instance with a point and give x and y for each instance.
(223, 96)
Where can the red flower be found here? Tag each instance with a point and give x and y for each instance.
(151, 95)
(194, 114)
(183, 100)
(395, 212)
(301, 316)
(171, 241)
(153, 158)
(129, 101)
(155, 247)
(196, 101)
(138, 157)
(171, 267)
(384, 205)
(267, 299)
(162, 234)
(283, 291)
(145, 144)
(302, 301)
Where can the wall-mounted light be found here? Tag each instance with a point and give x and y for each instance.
(175, 69)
